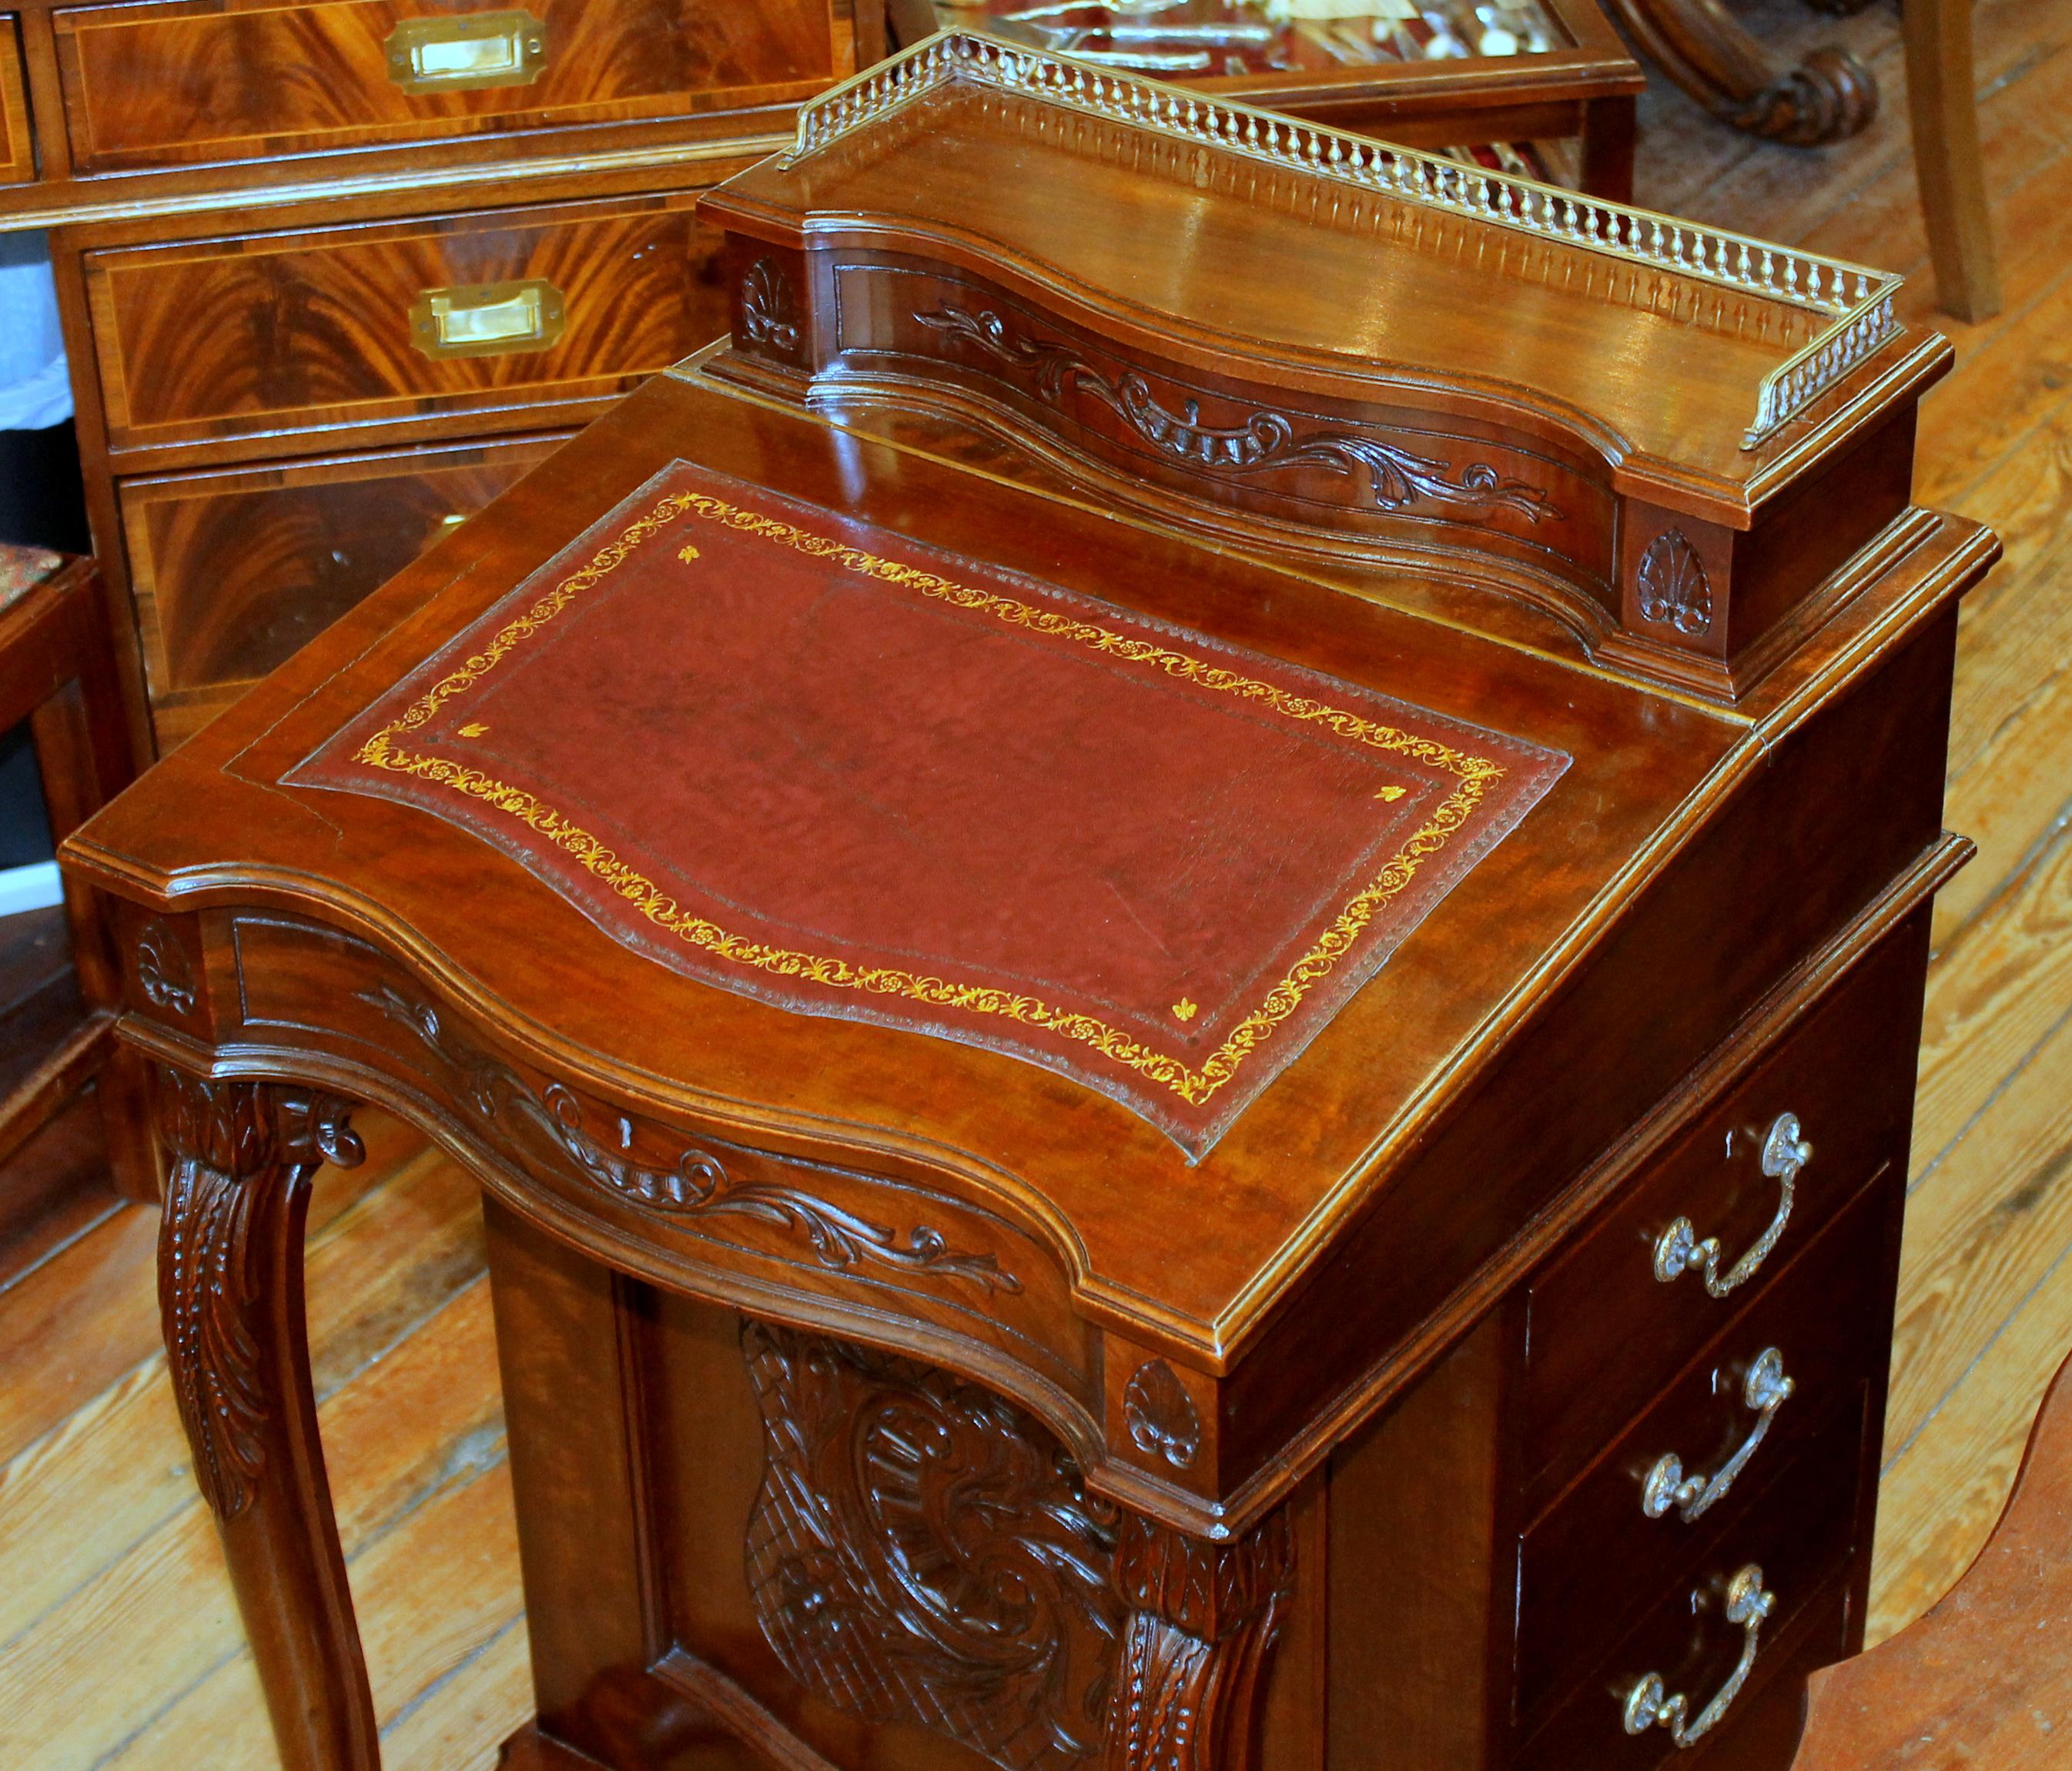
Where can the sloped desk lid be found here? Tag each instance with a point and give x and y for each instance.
(797, 757)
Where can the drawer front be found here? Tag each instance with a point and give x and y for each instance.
(495, 317)
(18, 157)
(1598, 1558)
(202, 81)
(1691, 1647)
(1606, 1334)
(233, 574)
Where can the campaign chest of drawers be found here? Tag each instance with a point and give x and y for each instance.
(1156, 926)
(336, 272)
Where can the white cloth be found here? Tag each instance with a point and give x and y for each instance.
(35, 391)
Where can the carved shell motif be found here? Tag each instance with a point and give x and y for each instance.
(163, 973)
(1673, 590)
(769, 316)
(1161, 1415)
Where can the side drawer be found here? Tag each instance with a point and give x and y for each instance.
(1801, 1537)
(1695, 1654)
(18, 155)
(1598, 1558)
(1605, 1333)
(233, 573)
(498, 317)
(197, 82)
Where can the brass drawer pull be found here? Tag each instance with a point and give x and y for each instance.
(487, 319)
(1679, 1251)
(466, 55)
(1647, 1706)
(1766, 1390)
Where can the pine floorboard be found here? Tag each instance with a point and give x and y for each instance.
(120, 1648)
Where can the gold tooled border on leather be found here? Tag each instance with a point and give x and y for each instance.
(1476, 776)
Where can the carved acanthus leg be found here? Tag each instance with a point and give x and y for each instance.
(1203, 1618)
(1699, 44)
(230, 1290)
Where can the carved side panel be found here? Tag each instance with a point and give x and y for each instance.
(922, 1551)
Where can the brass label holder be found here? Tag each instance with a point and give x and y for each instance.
(487, 319)
(469, 54)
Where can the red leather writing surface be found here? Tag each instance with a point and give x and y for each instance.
(798, 757)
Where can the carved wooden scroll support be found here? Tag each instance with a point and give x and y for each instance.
(230, 1289)
(1202, 1620)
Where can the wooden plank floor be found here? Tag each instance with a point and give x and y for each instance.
(119, 1643)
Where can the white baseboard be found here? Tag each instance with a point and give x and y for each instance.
(23, 889)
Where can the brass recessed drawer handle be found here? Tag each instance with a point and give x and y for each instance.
(1679, 1251)
(1766, 1391)
(1647, 1704)
(468, 54)
(487, 319)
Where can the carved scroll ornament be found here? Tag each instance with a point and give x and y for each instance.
(921, 1550)
(550, 1126)
(238, 1148)
(1265, 442)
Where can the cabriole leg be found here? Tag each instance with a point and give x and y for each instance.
(230, 1290)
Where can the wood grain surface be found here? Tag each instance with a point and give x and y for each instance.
(234, 571)
(1986, 1303)
(183, 84)
(17, 163)
(1983, 1679)
(312, 330)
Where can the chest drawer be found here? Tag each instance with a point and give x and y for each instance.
(233, 573)
(18, 159)
(1684, 1478)
(1605, 1332)
(196, 82)
(498, 318)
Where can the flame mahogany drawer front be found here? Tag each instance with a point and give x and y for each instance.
(234, 572)
(1606, 1334)
(18, 157)
(512, 318)
(207, 81)
(1632, 1526)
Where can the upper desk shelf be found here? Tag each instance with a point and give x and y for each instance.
(1342, 346)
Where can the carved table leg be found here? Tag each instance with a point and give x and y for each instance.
(230, 1289)
(1203, 1618)
(1699, 45)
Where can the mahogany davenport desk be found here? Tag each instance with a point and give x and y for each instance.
(1180, 933)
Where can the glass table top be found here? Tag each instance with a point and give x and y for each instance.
(1235, 38)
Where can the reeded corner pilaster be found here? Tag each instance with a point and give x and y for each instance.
(240, 1155)
(1203, 1618)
